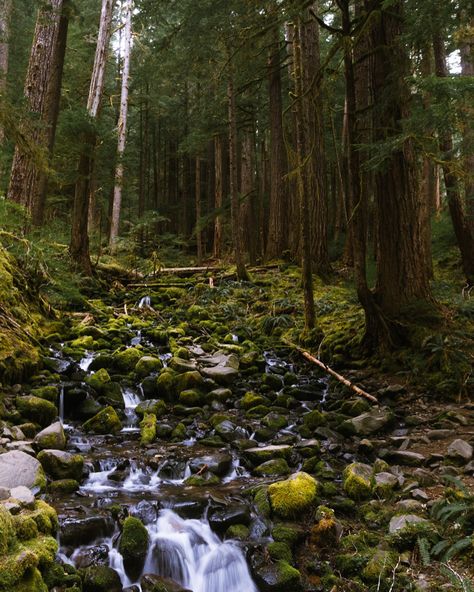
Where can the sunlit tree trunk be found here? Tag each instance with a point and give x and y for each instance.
(79, 246)
(5, 14)
(122, 127)
(42, 88)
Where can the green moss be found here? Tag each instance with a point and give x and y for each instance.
(293, 496)
(191, 398)
(258, 411)
(262, 502)
(98, 380)
(165, 384)
(148, 429)
(275, 467)
(45, 517)
(25, 527)
(37, 410)
(237, 531)
(45, 548)
(32, 580)
(380, 564)
(134, 540)
(202, 480)
(61, 465)
(251, 399)
(155, 406)
(188, 380)
(288, 577)
(49, 393)
(127, 359)
(63, 486)
(105, 422)
(357, 481)
(7, 530)
(84, 342)
(179, 432)
(274, 421)
(14, 566)
(350, 564)
(280, 551)
(146, 365)
(314, 419)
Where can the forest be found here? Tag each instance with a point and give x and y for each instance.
(236, 295)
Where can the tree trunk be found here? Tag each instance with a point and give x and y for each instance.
(314, 143)
(302, 181)
(197, 190)
(402, 276)
(218, 201)
(233, 177)
(79, 246)
(462, 229)
(122, 127)
(277, 240)
(249, 210)
(467, 69)
(42, 86)
(5, 14)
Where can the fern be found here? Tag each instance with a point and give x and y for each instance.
(424, 548)
(458, 547)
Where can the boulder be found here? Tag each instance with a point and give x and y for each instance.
(133, 546)
(84, 531)
(98, 380)
(148, 429)
(259, 455)
(223, 375)
(127, 359)
(35, 409)
(51, 437)
(460, 450)
(293, 496)
(59, 464)
(18, 468)
(279, 576)
(407, 457)
(276, 467)
(155, 406)
(146, 365)
(357, 480)
(154, 583)
(100, 578)
(24, 495)
(105, 422)
(221, 518)
(367, 423)
(218, 463)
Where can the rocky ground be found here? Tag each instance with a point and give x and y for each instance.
(330, 492)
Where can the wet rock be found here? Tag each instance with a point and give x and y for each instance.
(186, 381)
(148, 429)
(259, 455)
(146, 365)
(37, 410)
(133, 546)
(154, 583)
(98, 380)
(407, 457)
(126, 360)
(314, 419)
(223, 375)
(220, 394)
(460, 450)
(49, 393)
(367, 423)
(63, 486)
(105, 422)
(59, 464)
(81, 531)
(182, 365)
(24, 495)
(221, 519)
(272, 468)
(18, 468)
(228, 431)
(274, 421)
(277, 577)
(51, 437)
(100, 578)
(293, 496)
(357, 481)
(251, 400)
(155, 406)
(191, 398)
(218, 463)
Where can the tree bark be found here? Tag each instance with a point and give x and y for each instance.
(249, 210)
(42, 87)
(198, 195)
(233, 177)
(402, 276)
(462, 229)
(277, 240)
(218, 201)
(467, 69)
(79, 246)
(5, 14)
(122, 128)
(302, 181)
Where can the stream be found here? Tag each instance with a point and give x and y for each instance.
(186, 522)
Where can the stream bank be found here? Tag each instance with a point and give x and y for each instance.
(201, 448)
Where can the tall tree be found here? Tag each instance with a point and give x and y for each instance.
(5, 13)
(122, 125)
(42, 89)
(79, 245)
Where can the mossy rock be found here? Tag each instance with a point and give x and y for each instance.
(314, 419)
(147, 365)
(179, 432)
(280, 551)
(45, 517)
(181, 365)
(63, 486)
(15, 566)
(273, 381)
(52, 436)
(49, 393)
(127, 359)
(133, 546)
(100, 578)
(45, 548)
(148, 429)
(380, 565)
(7, 530)
(357, 481)
(279, 577)
(82, 343)
(295, 495)
(257, 412)
(204, 480)
(191, 398)
(155, 406)
(237, 531)
(188, 380)
(273, 468)
(274, 421)
(165, 384)
(262, 502)
(36, 409)
(59, 464)
(98, 380)
(251, 399)
(105, 422)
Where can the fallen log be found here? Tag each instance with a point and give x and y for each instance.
(313, 359)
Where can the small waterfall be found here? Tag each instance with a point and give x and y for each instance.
(236, 471)
(131, 400)
(144, 302)
(86, 361)
(61, 404)
(137, 339)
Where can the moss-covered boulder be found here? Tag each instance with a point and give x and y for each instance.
(273, 468)
(191, 398)
(155, 406)
(148, 429)
(38, 410)
(105, 422)
(279, 576)
(126, 360)
(51, 437)
(133, 546)
(18, 468)
(274, 421)
(314, 419)
(251, 399)
(165, 384)
(258, 455)
(59, 464)
(147, 365)
(49, 393)
(357, 480)
(100, 578)
(7, 530)
(293, 496)
(187, 381)
(98, 380)
(381, 564)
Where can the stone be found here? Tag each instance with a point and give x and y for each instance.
(100, 578)
(357, 481)
(276, 467)
(36, 409)
(221, 519)
(182, 365)
(251, 400)
(293, 496)
(105, 422)
(460, 450)
(154, 583)
(133, 546)
(155, 406)
(400, 522)
(127, 359)
(274, 421)
(367, 423)
(223, 375)
(51, 437)
(259, 455)
(407, 457)
(24, 495)
(218, 463)
(279, 576)
(49, 393)
(147, 365)
(59, 464)
(385, 483)
(148, 429)
(18, 468)
(98, 380)
(191, 398)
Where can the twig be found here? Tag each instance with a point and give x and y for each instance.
(394, 572)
